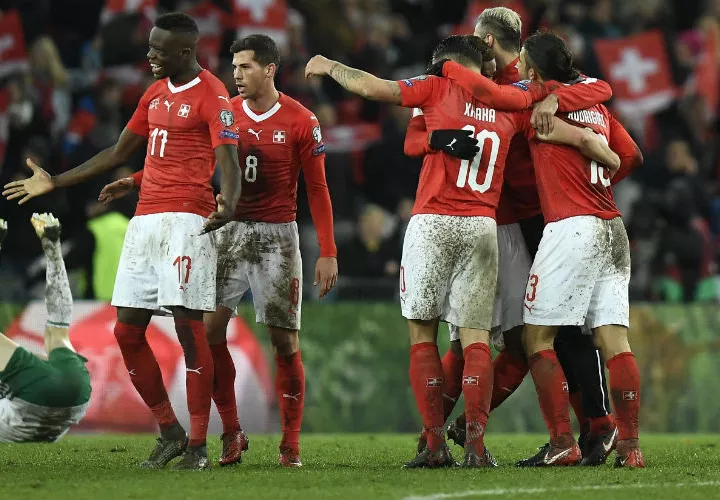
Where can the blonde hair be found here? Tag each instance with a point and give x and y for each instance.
(504, 24)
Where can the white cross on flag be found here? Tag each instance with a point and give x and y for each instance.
(279, 136)
(115, 7)
(638, 70)
(268, 17)
(184, 110)
(13, 57)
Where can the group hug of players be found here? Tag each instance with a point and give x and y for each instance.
(514, 235)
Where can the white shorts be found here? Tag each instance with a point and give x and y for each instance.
(264, 258)
(513, 269)
(580, 275)
(449, 269)
(166, 262)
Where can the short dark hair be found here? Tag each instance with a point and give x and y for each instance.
(548, 54)
(464, 49)
(265, 49)
(177, 22)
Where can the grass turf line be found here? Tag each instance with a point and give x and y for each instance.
(350, 466)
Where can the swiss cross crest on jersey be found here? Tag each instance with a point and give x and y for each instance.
(155, 103)
(184, 110)
(226, 117)
(278, 136)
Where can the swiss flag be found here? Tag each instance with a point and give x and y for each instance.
(707, 68)
(114, 7)
(211, 21)
(268, 17)
(638, 69)
(4, 123)
(13, 57)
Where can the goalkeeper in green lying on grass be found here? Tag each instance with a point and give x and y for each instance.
(41, 398)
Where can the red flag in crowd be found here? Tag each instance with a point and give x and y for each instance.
(638, 69)
(707, 69)
(211, 21)
(4, 123)
(13, 57)
(114, 7)
(261, 16)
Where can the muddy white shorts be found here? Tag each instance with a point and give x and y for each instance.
(449, 269)
(264, 258)
(580, 275)
(166, 262)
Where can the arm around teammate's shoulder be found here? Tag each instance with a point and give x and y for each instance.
(586, 141)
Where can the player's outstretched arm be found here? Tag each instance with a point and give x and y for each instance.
(58, 298)
(355, 81)
(630, 155)
(513, 97)
(568, 98)
(586, 141)
(41, 182)
(227, 160)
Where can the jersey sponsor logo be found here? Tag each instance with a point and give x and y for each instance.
(227, 118)
(318, 150)
(184, 110)
(317, 135)
(256, 134)
(227, 134)
(168, 104)
(155, 103)
(278, 136)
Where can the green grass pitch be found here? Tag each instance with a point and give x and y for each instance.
(350, 466)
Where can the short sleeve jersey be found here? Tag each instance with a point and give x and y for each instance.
(183, 124)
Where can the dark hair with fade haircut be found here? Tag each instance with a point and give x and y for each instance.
(465, 49)
(550, 56)
(265, 49)
(177, 22)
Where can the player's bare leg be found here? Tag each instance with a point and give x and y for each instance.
(290, 389)
(477, 384)
(146, 377)
(233, 438)
(426, 378)
(551, 387)
(191, 333)
(625, 391)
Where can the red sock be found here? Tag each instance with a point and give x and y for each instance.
(198, 376)
(602, 425)
(426, 378)
(144, 372)
(452, 367)
(552, 391)
(509, 370)
(477, 383)
(224, 387)
(576, 403)
(290, 389)
(625, 392)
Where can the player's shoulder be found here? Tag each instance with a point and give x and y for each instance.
(296, 112)
(156, 87)
(212, 82)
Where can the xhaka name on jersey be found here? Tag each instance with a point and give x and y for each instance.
(479, 113)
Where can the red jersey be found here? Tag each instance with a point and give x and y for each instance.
(569, 183)
(273, 147)
(448, 185)
(183, 125)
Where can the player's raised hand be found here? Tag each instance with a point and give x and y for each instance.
(39, 184)
(543, 113)
(116, 190)
(221, 216)
(326, 273)
(318, 66)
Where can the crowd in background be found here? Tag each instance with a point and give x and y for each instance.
(84, 71)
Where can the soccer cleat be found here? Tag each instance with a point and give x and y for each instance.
(432, 459)
(629, 456)
(457, 433)
(234, 443)
(289, 458)
(550, 456)
(475, 461)
(599, 448)
(194, 458)
(46, 226)
(165, 450)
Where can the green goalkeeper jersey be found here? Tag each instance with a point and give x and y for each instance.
(40, 399)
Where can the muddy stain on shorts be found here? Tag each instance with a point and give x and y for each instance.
(620, 245)
(278, 308)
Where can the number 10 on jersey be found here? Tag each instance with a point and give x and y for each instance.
(469, 171)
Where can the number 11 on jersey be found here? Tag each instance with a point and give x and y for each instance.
(469, 171)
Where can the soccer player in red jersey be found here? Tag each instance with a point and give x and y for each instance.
(260, 250)
(167, 261)
(520, 226)
(449, 262)
(581, 272)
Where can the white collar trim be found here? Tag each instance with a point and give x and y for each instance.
(258, 118)
(186, 86)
